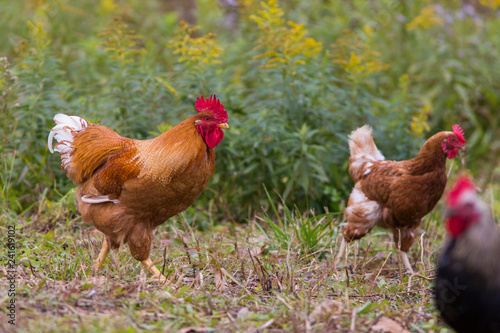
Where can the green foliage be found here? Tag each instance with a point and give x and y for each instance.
(450, 53)
(306, 233)
(296, 78)
(40, 92)
(132, 84)
(9, 124)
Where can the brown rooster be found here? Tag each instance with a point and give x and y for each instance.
(129, 187)
(395, 195)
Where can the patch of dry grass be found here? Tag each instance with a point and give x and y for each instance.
(225, 279)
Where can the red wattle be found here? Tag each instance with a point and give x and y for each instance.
(452, 153)
(456, 226)
(213, 136)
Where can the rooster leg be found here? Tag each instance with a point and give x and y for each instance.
(406, 262)
(152, 268)
(100, 259)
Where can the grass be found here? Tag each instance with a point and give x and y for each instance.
(275, 272)
(228, 278)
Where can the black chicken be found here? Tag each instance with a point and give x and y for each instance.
(468, 276)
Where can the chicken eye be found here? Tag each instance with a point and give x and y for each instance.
(206, 118)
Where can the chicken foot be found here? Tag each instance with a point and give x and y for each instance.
(406, 262)
(96, 266)
(155, 271)
(403, 256)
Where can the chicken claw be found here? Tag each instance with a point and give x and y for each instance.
(406, 262)
(155, 271)
(96, 266)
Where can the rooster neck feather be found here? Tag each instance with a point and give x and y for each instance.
(182, 144)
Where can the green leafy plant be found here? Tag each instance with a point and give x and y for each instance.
(295, 79)
(306, 233)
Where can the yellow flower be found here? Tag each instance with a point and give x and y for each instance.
(38, 35)
(270, 17)
(107, 6)
(426, 19)
(419, 123)
(368, 30)
(121, 42)
(493, 4)
(195, 52)
(43, 9)
(280, 43)
(246, 7)
(34, 52)
(355, 57)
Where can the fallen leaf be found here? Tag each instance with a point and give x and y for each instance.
(220, 282)
(387, 325)
(243, 313)
(324, 310)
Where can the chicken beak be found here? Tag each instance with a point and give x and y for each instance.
(224, 126)
(449, 212)
(462, 148)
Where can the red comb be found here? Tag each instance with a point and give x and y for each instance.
(459, 133)
(462, 184)
(213, 105)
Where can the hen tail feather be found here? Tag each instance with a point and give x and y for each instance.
(363, 152)
(64, 131)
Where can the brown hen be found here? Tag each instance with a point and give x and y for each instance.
(395, 195)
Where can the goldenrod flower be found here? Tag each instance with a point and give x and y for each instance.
(38, 41)
(426, 19)
(195, 52)
(121, 42)
(107, 6)
(247, 7)
(283, 44)
(419, 123)
(493, 4)
(38, 35)
(355, 57)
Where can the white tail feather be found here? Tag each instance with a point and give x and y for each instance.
(64, 131)
(93, 199)
(362, 148)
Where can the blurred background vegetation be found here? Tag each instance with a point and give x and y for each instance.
(296, 78)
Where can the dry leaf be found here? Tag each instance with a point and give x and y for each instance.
(324, 310)
(219, 280)
(243, 313)
(387, 325)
